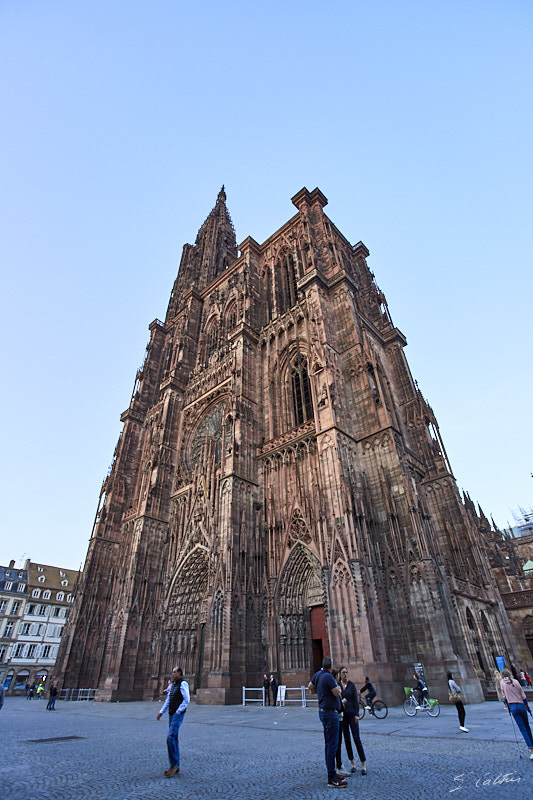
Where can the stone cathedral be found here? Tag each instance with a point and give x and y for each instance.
(280, 490)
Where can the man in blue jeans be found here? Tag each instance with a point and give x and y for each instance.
(178, 698)
(328, 704)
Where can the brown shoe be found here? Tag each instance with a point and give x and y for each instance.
(171, 771)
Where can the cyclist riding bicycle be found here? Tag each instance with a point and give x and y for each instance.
(370, 692)
(420, 689)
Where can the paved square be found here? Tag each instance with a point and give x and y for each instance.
(117, 752)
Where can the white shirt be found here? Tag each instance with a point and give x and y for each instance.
(184, 687)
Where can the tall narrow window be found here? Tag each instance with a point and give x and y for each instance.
(301, 392)
(231, 317)
(286, 279)
(211, 340)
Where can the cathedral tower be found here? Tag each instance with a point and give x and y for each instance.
(280, 490)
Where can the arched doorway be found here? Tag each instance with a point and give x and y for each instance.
(302, 636)
(183, 641)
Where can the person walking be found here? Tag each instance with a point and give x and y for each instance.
(515, 699)
(497, 677)
(350, 722)
(177, 700)
(455, 697)
(328, 693)
(266, 687)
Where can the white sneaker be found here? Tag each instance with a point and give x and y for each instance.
(465, 730)
(531, 756)
(368, 708)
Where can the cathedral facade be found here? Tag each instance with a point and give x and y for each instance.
(280, 490)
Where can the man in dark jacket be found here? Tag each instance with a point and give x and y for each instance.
(328, 703)
(178, 698)
(370, 690)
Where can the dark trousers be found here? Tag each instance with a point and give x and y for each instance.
(330, 723)
(519, 712)
(461, 713)
(267, 695)
(349, 724)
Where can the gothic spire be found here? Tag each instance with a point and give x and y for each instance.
(214, 249)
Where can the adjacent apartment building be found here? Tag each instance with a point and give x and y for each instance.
(34, 605)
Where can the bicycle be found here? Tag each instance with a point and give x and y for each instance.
(377, 709)
(411, 704)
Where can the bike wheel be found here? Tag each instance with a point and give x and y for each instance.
(409, 708)
(362, 709)
(434, 711)
(379, 709)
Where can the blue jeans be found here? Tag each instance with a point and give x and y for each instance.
(330, 723)
(173, 745)
(519, 712)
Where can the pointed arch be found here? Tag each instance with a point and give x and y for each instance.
(299, 589)
(187, 591)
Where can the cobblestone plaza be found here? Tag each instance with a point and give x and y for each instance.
(118, 752)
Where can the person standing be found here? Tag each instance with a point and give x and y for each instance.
(2, 694)
(266, 687)
(52, 698)
(340, 711)
(455, 692)
(177, 700)
(515, 699)
(328, 693)
(273, 689)
(350, 722)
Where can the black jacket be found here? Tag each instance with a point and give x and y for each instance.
(352, 698)
(176, 697)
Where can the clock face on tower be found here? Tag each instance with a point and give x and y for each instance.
(207, 438)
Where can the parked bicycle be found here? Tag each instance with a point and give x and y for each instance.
(377, 708)
(411, 704)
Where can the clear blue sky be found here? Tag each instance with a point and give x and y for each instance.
(120, 122)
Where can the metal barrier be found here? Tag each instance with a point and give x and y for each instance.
(282, 698)
(76, 694)
(253, 699)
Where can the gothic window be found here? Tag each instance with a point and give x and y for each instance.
(269, 294)
(301, 392)
(470, 620)
(286, 274)
(211, 340)
(231, 317)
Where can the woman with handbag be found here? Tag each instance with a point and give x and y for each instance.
(515, 699)
(455, 697)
